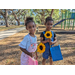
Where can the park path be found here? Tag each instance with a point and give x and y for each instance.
(7, 33)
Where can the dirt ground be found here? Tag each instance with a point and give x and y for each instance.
(10, 52)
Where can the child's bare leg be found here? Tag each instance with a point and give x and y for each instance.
(51, 61)
(43, 61)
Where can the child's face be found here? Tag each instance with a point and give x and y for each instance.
(49, 25)
(31, 27)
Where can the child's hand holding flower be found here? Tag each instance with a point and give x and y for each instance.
(51, 43)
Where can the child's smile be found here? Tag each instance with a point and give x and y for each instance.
(31, 27)
(49, 25)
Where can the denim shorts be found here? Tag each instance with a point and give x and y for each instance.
(46, 54)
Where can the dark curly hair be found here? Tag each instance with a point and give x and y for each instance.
(28, 20)
(48, 19)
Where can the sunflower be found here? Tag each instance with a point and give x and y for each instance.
(41, 48)
(48, 34)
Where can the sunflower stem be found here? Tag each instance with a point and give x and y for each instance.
(50, 46)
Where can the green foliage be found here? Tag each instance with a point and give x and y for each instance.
(39, 15)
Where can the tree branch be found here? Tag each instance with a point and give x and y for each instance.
(2, 14)
(51, 12)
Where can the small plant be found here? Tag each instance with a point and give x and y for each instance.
(6, 61)
(73, 48)
(66, 48)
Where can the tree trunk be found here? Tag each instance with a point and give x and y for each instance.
(42, 22)
(24, 19)
(16, 18)
(6, 21)
(18, 22)
(51, 12)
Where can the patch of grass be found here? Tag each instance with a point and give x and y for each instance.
(73, 48)
(7, 61)
(66, 48)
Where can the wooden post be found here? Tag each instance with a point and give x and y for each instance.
(65, 21)
(62, 18)
(69, 16)
(73, 22)
(68, 20)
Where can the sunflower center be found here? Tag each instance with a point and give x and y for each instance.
(41, 47)
(48, 34)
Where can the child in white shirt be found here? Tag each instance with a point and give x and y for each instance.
(29, 43)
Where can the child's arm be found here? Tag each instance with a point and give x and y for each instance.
(44, 41)
(36, 55)
(42, 38)
(26, 52)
